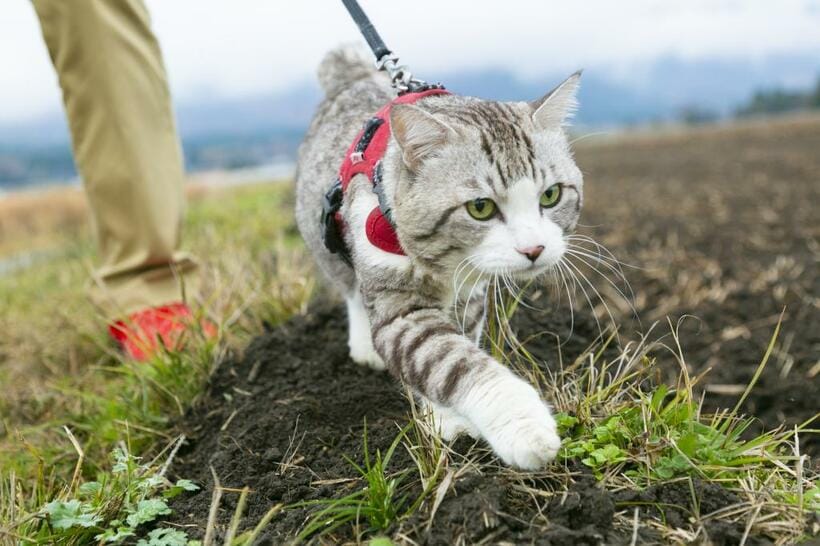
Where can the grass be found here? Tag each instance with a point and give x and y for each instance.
(380, 502)
(107, 510)
(63, 371)
(76, 412)
(633, 433)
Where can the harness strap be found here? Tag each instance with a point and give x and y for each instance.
(370, 144)
(364, 156)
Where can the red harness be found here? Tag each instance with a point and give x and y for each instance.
(364, 157)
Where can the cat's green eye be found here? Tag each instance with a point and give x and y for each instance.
(482, 209)
(551, 197)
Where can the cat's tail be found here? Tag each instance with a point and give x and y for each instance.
(343, 66)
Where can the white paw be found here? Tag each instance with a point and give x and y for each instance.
(516, 423)
(528, 442)
(449, 423)
(366, 355)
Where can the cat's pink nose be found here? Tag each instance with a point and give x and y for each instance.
(531, 252)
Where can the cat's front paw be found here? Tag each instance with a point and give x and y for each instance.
(517, 424)
(528, 443)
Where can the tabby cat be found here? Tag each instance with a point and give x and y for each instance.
(476, 188)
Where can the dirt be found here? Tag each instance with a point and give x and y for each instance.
(306, 404)
(723, 225)
(672, 503)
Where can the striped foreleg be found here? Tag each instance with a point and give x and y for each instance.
(425, 349)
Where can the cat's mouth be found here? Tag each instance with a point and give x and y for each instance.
(519, 272)
(530, 272)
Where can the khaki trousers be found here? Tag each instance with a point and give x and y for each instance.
(126, 148)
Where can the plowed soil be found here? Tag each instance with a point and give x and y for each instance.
(723, 227)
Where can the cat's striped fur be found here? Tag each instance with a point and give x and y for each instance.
(421, 315)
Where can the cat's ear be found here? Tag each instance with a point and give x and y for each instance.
(417, 133)
(554, 108)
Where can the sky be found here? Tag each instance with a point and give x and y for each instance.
(234, 48)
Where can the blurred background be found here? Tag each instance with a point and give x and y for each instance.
(242, 72)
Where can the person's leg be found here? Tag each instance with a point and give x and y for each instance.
(126, 148)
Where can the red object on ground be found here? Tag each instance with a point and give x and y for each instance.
(140, 333)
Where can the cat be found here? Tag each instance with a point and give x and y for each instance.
(475, 188)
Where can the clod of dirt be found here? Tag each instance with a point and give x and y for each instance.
(582, 516)
(489, 509)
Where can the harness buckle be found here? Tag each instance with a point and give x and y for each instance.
(331, 231)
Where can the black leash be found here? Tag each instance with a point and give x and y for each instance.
(400, 76)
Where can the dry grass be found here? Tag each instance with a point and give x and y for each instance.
(29, 221)
(44, 219)
(57, 364)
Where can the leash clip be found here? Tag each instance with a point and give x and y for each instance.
(400, 76)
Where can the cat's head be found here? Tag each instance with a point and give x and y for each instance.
(486, 183)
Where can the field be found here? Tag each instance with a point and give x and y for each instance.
(714, 229)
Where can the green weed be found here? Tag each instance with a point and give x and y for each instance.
(107, 510)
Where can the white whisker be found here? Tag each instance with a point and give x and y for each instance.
(602, 250)
(507, 338)
(597, 293)
(577, 283)
(457, 289)
(467, 304)
(569, 297)
(628, 300)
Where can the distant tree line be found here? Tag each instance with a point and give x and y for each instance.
(778, 101)
(763, 102)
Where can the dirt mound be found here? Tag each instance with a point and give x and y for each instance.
(283, 416)
(281, 419)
